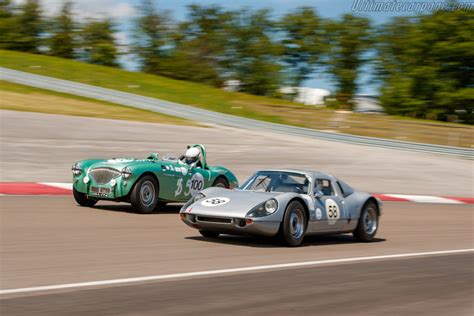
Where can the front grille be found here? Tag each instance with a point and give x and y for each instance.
(104, 175)
(214, 219)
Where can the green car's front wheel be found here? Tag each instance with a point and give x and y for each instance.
(221, 182)
(82, 199)
(144, 196)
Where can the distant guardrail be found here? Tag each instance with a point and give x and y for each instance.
(202, 115)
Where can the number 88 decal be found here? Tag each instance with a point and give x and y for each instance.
(332, 210)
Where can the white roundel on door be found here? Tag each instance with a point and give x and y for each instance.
(215, 201)
(195, 184)
(332, 211)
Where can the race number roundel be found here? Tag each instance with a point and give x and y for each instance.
(195, 184)
(215, 201)
(332, 210)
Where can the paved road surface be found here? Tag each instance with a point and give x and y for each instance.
(42, 147)
(50, 240)
(423, 286)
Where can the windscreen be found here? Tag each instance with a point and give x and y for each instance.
(277, 181)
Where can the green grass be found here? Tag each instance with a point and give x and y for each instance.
(241, 104)
(149, 85)
(24, 98)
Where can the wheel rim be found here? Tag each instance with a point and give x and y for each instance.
(370, 222)
(296, 224)
(147, 193)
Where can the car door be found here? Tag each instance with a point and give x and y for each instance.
(195, 180)
(329, 207)
(171, 179)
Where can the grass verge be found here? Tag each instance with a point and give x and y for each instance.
(261, 108)
(23, 98)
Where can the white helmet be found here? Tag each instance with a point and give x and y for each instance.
(192, 155)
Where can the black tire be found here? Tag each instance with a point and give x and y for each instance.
(160, 205)
(368, 223)
(221, 182)
(208, 233)
(82, 199)
(293, 226)
(144, 196)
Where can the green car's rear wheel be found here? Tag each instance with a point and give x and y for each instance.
(82, 199)
(144, 196)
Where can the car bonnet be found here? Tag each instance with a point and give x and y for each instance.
(229, 203)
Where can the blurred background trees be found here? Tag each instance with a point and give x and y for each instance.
(304, 43)
(426, 65)
(348, 41)
(63, 38)
(98, 43)
(422, 64)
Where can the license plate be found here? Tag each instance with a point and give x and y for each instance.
(100, 191)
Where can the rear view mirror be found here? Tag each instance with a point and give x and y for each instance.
(318, 194)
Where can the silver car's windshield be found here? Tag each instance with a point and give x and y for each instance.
(277, 181)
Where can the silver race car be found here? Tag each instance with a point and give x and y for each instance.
(288, 204)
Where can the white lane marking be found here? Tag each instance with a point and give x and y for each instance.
(67, 186)
(227, 271)
(425, 199)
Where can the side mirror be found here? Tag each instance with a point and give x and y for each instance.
(153, 156)
(318, 194)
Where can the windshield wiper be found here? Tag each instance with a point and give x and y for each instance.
(261, 181)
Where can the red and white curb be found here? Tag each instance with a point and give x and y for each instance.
(62, 189)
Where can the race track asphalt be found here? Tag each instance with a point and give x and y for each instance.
(423, 286)
(42, 147)
(46, 240)
(50, 240)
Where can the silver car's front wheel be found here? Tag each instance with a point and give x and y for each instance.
(297, 224)
(293, 226)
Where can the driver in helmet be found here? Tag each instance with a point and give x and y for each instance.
(192, 157)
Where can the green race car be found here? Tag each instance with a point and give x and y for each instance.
(147, 183)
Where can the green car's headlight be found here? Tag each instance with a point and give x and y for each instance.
(271, 206)
(198, 197)
(76, 169)
(127, 173)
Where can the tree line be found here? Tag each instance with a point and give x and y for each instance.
(423, 64)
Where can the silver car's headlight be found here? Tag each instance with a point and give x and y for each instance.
(264, 209)
(76, 169)
(271, 206)
(127, 173)
(198, 197)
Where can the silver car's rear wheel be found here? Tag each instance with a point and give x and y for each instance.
(368, 223)
(293, 226)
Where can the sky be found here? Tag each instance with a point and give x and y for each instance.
(123, 12)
